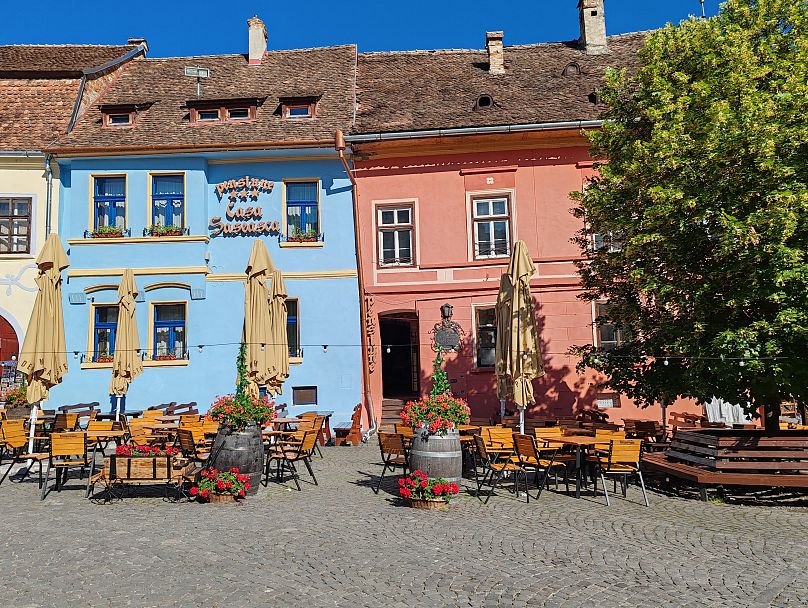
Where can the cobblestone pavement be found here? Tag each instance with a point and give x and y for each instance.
(339, 544)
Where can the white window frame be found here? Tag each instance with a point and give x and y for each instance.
(618, 333)
(490, 219)
(395, 228)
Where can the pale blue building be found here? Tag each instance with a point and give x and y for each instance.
(175, 182)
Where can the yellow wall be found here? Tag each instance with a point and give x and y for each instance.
(25, 177)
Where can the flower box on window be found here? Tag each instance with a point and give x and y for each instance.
(107, 232)
(165, 357)
(158, 231)
(104, 359)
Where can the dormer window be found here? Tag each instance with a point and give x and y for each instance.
(483, 102)
(298, 107)
(121, 114)
(117, 120)
(207, 115)
(238, 114)
(222, 110)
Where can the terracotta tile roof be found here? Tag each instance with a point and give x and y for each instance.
(58, 60)
(38, 88)
(419, 90)
(327, 73)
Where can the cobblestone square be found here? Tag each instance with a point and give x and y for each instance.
(339, 544)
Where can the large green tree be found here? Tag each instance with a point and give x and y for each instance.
(703, 209)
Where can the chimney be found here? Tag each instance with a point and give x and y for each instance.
(257, 40)
(496, 54)
(138, 42)
(593, 27)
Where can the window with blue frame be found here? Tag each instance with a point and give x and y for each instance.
(168, 201)
(302, 210)
(105, 327)
(292, 328)
(169, 332)
(109, 198)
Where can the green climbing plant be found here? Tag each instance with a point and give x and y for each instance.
(440, 381)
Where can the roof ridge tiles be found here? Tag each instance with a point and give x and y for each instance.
(269, 52)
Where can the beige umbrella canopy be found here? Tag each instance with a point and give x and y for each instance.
(126, 364)
(265, 323)
(518, 356)
(43, 359)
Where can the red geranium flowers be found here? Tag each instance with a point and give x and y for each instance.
(214, 481)
(144, 450)
(419, 486)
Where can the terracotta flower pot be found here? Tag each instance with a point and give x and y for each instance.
(428, 505)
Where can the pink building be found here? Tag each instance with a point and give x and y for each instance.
(457, 155)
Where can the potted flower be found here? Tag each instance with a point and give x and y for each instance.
(297, 235)
(434, 420)
(144, 462)
(165, 357)
(220, 486)
(104, 359)
(164, 230)
(241, 418)
(15, 397)
(107, 232)
(424, 492)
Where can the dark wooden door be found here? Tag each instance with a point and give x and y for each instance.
(9, 345)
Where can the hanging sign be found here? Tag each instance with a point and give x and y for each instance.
(243, 220)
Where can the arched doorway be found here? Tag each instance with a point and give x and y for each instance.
(9, 345)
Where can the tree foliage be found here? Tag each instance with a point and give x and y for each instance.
(705, 196)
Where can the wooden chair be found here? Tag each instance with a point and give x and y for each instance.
(65, 422)
(14, 440)
(498, 441)
(152, 414)
(394, 454)
(346, 432)
(531, 457)
(67, 451)
(190, 449)
(210, 427)
(491, 468)
(287, 453)
(621, 460)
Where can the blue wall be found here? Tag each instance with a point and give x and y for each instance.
(328, 307)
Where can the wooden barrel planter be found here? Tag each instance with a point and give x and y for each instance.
(241, 449)
(437, 455)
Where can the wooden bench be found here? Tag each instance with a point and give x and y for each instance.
(713, 457)
(349, 432)
(82, 409)
(175, 409)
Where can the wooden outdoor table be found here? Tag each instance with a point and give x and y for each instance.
(580, 442)
(168, 418)
(468, 429)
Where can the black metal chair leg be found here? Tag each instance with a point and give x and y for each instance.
(311, 472)
(379, 485)
(11, 466)
(44, 491)
(494, 486)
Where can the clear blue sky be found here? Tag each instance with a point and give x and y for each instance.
(207, 27)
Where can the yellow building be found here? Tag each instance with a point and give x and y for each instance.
(43, 90)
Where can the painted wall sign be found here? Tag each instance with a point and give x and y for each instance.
(246, 220)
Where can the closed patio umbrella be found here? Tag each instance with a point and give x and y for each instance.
(265, 323)
(518, 357)
(126, 363)
(43, 359)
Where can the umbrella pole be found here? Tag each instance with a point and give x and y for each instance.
(117, 408)
(31, 432)
(501, 409)
(522, 420)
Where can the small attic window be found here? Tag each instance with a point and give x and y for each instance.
(484, 101)
(222, 110)
(298, 110)
(118, 120)
(572, 69)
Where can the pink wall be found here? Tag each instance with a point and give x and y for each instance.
(438, 187)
